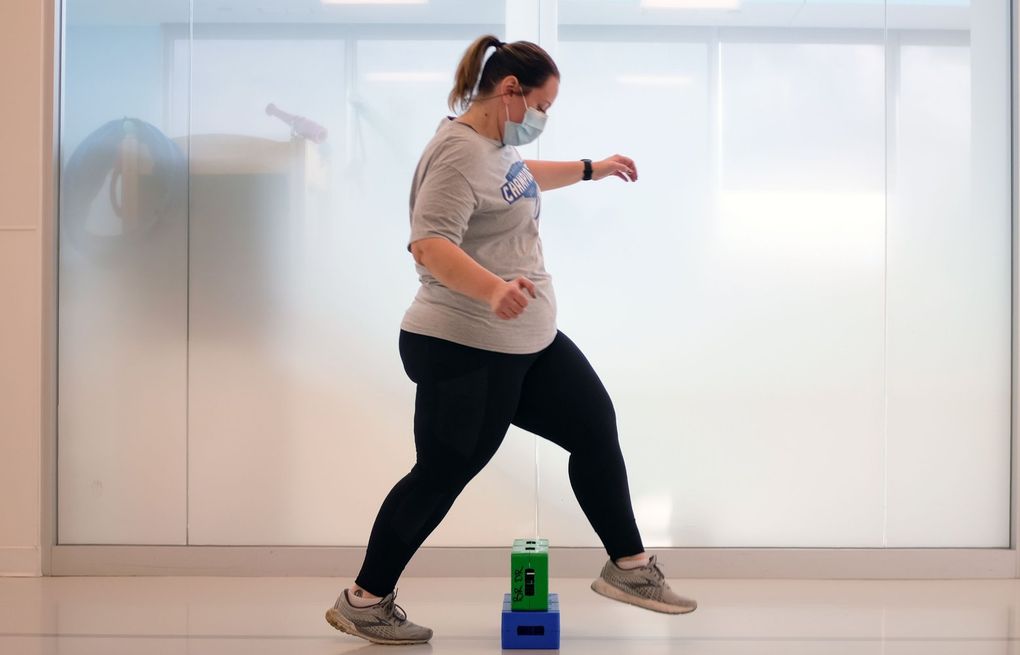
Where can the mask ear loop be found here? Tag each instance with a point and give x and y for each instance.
(506, 106)
(502, 138)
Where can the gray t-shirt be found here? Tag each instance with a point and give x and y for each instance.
(481, 196)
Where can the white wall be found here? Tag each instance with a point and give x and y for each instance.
(25, 297)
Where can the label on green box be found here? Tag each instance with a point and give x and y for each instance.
(529, 575)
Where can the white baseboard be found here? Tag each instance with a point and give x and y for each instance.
(20, 561)
(344, 562)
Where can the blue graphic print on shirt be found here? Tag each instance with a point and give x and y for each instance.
(520, 183)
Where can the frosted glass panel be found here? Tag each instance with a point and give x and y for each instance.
(800, 265)
(802, 309)
(299, 279)
(739, 323)
(949, 290)
(123, 288)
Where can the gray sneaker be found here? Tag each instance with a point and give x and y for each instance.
(382, 623)
(645, 586)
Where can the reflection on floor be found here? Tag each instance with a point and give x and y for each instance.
(256, 616)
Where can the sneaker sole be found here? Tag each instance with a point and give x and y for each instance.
(603, 588)
(340, 622)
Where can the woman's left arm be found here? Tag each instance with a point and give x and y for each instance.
(555, 174)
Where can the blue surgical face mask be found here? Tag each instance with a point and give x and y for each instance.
(518, 134)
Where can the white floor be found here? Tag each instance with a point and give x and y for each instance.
(256, 616)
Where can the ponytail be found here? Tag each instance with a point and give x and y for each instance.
(528, 62)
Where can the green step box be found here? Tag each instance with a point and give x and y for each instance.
(529, 575)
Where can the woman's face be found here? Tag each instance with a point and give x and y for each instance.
(541, 98)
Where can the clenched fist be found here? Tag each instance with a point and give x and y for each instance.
(509, 301)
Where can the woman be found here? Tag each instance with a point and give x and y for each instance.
(480, 341)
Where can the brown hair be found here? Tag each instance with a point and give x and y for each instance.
(528, 62)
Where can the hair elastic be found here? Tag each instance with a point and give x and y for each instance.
(488, 53)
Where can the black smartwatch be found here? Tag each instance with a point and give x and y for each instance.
(587, 169)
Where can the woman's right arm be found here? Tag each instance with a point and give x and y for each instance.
(456, 269)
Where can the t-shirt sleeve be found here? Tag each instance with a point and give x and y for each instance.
(443, 205)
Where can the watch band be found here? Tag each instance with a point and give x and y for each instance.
(587, 169)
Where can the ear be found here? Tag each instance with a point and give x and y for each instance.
(509, 87)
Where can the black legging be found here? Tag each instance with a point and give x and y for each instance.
(466, 400)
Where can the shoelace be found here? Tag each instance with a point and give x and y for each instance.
(392, 608)
(653, 567)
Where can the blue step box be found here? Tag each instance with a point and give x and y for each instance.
(535, 629)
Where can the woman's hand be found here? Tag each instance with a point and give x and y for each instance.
(618, 165)
(508, 300)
